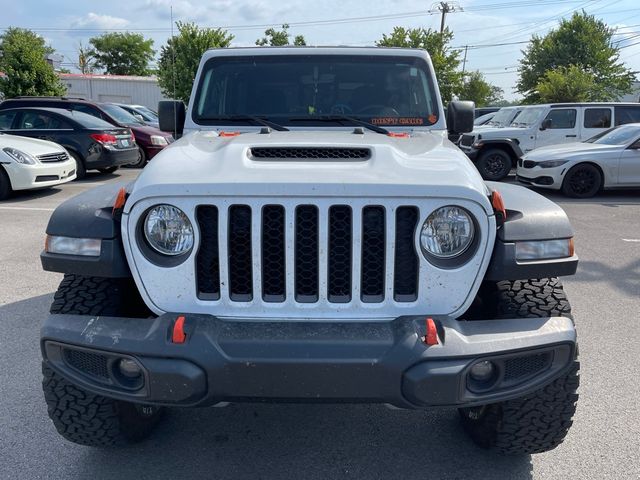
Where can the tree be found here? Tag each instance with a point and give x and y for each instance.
(27, 72)
(180, 57)
(583, 41)
(122, 53)
(86, 61)
(567, 84)
(445, 60)
(279, 38)
(478, 90)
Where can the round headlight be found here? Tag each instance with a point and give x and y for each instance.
(168, 230)
(447, 232)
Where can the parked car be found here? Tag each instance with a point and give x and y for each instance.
(503, 117)
(148, 116)
(29, 163)
(483, 119)
(610, 159)
(479, 111)
(150, 140)
(93, 143)
(302, 254)
(496, 150)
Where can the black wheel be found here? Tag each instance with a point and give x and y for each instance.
(537, 422)
(142, 159)
(81, 416)
(494, 164)
(108, 169)
(5, 185)
(582, 181)
(81, 171)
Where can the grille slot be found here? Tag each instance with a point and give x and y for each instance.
(306, 254)
(373, 254)
(240, 259)
(53, 157)
(520, 367)
(467, 140)
(405, 279)
(208, 259)
(310, 153)
(273, 254)
(339, 261)
(88, 363)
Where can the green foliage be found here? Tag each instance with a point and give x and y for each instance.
(445, 60)
(585, 42)
(567, 84)
(122, 53)
(186, 49)
(478, 90)
(86, 61)
(22, 59)
(279, 38)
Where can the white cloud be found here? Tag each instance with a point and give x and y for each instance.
(96, 20)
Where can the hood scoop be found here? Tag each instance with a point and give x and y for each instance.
(309, 153)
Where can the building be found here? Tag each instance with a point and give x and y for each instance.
(114, 88)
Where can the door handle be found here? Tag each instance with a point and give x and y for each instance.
(569, 136)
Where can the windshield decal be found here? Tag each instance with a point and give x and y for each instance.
(402, 120)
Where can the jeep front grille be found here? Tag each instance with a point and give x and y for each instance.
(332, 253)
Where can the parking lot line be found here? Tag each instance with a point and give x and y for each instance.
(39, 209)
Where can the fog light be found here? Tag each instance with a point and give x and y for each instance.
(482, 371)
(129, 368)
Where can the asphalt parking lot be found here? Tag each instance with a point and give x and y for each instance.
(329, 441)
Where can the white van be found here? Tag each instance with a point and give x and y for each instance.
(496, 150)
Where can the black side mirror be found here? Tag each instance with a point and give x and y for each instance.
(546, 123)
(171, 116)
(460, 117)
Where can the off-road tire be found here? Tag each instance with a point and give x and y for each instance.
(81, 416)
(5, 185)
(494, 164)
(81, 170)
(582, 181)
(537, 422)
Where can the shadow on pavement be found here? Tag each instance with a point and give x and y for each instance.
(242, 441)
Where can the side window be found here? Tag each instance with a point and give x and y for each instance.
(36, 121)
(89, 110)
(6, 120)
(562, 118)
(627, 114)
(597, 118)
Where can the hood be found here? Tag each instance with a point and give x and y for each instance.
(569, 149)
(498, 132)
(33, 146)
(203, 163)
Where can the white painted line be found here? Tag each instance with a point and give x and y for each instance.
(634, 240)
(35, 209)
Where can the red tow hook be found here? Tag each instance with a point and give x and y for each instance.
(431, 338)
(178, 335)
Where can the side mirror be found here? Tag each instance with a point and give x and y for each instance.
(460, 117)
(171, 116)
(546, 123)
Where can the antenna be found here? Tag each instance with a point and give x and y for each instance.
(173, 74)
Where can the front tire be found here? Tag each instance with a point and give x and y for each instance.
(142, 159)
(5, 185)
(582, 181)
(81, 416)
(537, 422)
(494, 164)
(81, 170)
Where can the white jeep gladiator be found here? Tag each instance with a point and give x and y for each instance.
(313, 236)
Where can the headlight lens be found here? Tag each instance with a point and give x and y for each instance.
(551, 163)
(20, 156)
(447, 232)
(158, 141)
(168, 230)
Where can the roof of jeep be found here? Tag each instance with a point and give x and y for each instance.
(324, 50)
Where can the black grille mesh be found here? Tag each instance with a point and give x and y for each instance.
(89, 363)
(373, 254)
(519, 367)
(339, 267)
(208, 259)
(306, 254)
(273, 254)
(405, 279)
(467, 140)
(240, 264)
(310, 153)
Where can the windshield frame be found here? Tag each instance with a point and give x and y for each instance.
(435, 120)
(518, 124)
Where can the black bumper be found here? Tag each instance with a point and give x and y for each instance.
(108, 157)
(382, 362)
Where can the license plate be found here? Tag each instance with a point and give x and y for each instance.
(125, 143)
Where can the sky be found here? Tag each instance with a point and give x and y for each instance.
(484, 26)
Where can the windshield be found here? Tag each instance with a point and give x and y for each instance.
(616, 135)
(146, 112)
(120, 115)
(503, 117)
(383, 90)
(527, 117)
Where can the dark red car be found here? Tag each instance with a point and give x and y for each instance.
(150, 140)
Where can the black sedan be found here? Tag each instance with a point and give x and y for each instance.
(92, 142)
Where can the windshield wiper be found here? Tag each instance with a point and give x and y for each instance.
(247, 118)
(340, 119)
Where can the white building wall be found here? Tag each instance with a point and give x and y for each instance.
(634, 96)
(114, 88)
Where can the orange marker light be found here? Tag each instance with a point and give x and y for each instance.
(228, 134)
(498, 204)
(178, 335)
(431, 338)
(398, 134)
(121, 198)
(572, 247)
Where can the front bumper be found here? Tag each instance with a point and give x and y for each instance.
(41, 175)
(382, 362)
(541, 177)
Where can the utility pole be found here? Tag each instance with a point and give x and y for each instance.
(444, 8)
(464, 62)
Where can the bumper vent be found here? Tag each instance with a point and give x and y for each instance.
(307, 153)
(91, 364)
(520, 367)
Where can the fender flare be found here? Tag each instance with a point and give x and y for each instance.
(510, 143)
